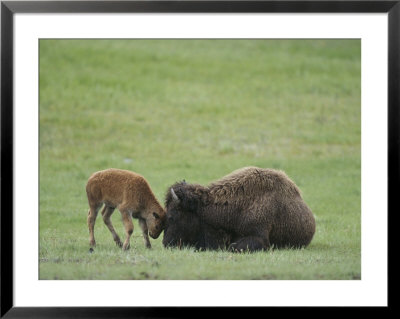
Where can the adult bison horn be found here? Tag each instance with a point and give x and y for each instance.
(174, 195)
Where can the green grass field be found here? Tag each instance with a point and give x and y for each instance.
(197, 110)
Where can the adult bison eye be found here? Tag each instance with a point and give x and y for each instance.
(170, 218)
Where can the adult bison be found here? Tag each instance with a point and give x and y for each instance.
(250, 209)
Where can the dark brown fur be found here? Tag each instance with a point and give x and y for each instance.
(253, 207)
(132, 195)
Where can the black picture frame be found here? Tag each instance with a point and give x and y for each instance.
(9, 8)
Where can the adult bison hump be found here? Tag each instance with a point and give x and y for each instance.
(251, 209)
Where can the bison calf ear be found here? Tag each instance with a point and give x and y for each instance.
(156, 216)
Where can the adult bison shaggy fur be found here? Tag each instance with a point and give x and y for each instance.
(248, 210)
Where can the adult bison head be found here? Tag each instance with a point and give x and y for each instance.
(182, 225)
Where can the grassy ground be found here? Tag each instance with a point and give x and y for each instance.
(196, 110)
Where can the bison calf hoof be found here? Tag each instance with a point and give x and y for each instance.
(126, 247)
(119, 244)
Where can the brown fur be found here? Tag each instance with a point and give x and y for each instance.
(255, 207)
(131, 194)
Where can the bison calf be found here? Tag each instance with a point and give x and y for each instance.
(250, 209)
(132, 196)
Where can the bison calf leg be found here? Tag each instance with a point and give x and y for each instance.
(91, 220)
(145, 231)
(250, 243)
(127, 220)
(106, 213)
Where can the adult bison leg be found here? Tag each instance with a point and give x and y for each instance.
(249, 243)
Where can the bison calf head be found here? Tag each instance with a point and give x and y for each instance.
(182, 226)
(155, 224)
